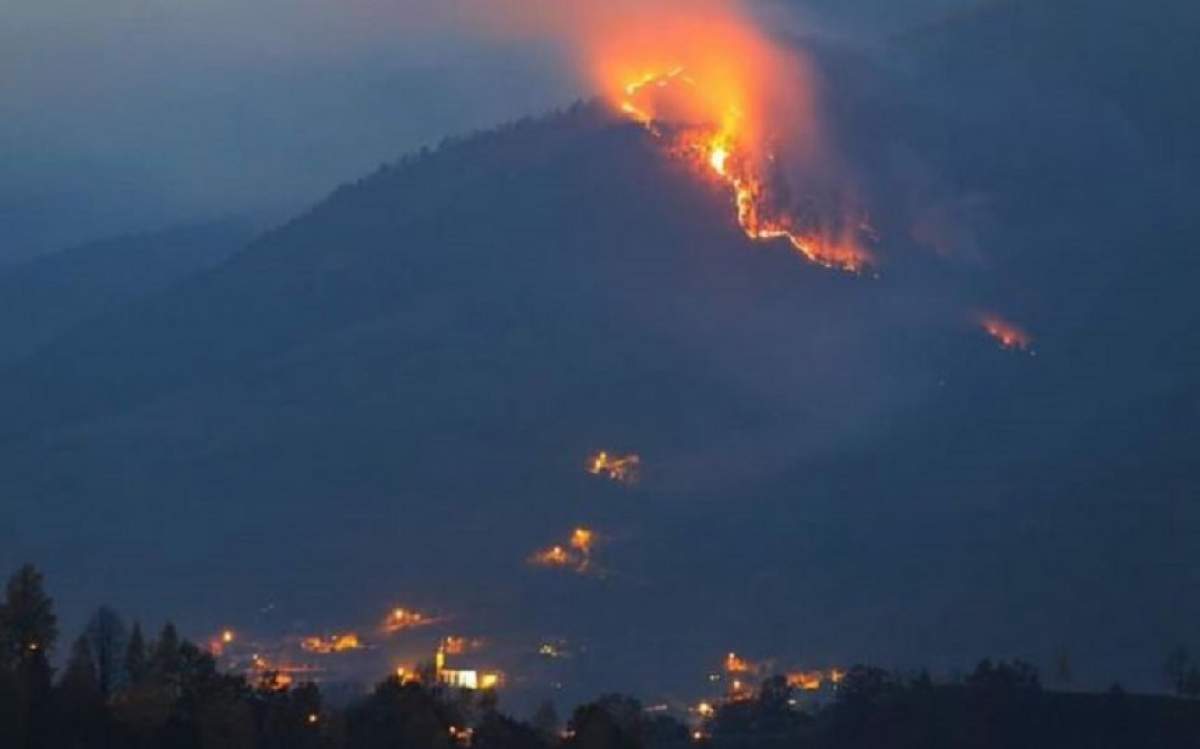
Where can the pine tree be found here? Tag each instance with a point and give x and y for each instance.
(545, 722)
(106, 633)
(165, 660)
(80, 678)
(135, 657)
(28, 628)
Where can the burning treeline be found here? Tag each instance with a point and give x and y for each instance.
(702, 77)
(722, 95)
(713, 87)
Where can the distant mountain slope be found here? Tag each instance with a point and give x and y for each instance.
(45, 297)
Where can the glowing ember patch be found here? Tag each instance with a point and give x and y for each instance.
(554, 556)
(1008, 335)
(407, 675)
(623, 469)
(400, 619)
(331, 644)
(576, 554)
(809, 681)
(581, 540)
(736, 665)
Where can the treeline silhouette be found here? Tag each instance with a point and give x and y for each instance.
(119, 689)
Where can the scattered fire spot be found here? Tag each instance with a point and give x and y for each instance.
(812, 681)
(1007, 334)
(576, 554)
(623, 469)
(331, 644)
(400, 619)
(736, 665)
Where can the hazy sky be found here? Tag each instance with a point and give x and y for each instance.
(129, 114)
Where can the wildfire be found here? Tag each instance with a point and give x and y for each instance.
(581, 540)
(575, 554)
(408, 675)
(720, 143)
(736, 665)
(400, 619)
(274, 676)
(1007, 334)
(331, 644)
(809, 681)
(812, 681)
(623, 469)
(456, 645)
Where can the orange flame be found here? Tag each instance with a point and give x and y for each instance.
(400, 619)
(331, 644)
(554, 556)
(623, 469)
(724, 151)
(705, 77)
(736, 665)
(581, 540)
(1007, 334)
(713, 86)
(809, 681)
(575, 554)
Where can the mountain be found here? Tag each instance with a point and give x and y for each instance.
(45, 297)
(389, 400)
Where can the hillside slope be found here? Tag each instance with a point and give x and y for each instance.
(392, 396)
(45, 297)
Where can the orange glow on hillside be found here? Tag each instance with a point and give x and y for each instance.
(576, 554)
(1007, 334)
(809, 681)
(581, 540)
(553, 556)
(719, 92)
(622, 469)
(331, 644)
(736, 665)
(400, 619)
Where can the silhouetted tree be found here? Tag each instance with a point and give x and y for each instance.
(592, 726)
(398, 716)
(497, 731)
(28, 628)
(80, 678)
(106, 635)
(164, 657)
(136, 663)
(545, 721)
(82, 718)
(290, 718)
(28, 633)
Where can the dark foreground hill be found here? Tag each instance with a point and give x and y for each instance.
(390, 399)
